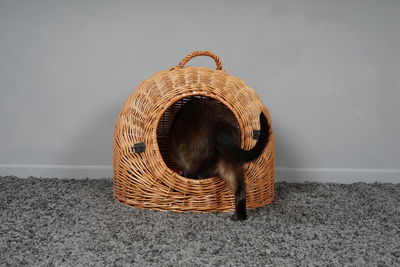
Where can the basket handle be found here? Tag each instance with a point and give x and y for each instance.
(201, 53)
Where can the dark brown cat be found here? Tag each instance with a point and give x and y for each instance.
(205, 142)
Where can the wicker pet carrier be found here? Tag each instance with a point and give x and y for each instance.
(145, 176)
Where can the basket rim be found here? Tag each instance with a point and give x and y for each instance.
(172, 102)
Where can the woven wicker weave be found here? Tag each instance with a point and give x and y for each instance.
(147, 179)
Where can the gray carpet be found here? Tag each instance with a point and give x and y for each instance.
(54, 222)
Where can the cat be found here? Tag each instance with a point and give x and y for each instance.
(205, 142)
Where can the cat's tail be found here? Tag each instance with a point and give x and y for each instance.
(227, 144)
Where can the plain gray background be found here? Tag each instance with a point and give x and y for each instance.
(329, 72)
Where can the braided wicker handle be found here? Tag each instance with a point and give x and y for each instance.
(201, 53)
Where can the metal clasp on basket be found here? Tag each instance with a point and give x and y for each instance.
(139, 147)
(256, 134)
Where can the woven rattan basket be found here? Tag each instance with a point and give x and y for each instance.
(144, 174)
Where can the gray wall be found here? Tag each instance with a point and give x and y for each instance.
(327, 70)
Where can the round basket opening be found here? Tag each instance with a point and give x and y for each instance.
(164, 128)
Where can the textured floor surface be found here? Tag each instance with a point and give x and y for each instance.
(51, 222)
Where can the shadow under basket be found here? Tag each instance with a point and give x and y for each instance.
(145, 176)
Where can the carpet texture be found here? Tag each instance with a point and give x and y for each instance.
(56, 222)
